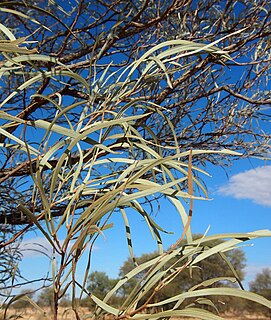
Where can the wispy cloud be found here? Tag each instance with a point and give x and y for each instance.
(252, 270)
(39, 246)
(35, 247)
(254, 184)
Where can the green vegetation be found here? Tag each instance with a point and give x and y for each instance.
(107, 108)
(46, 298)
(23, 302)
(262, 283)
(213, 267)
(210, 268)
(262, 286)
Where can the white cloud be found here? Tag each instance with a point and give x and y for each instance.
(40, 246)
(35, 247)
(254, 184)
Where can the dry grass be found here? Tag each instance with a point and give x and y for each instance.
(67, 314)
(34, 314)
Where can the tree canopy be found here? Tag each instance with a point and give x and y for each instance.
(99, 283)
(262, 283)
(216, 266)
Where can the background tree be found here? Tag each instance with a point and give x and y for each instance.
(215, 266)
(261, 285)
(99, 284)
(23, 303)
(46, 298)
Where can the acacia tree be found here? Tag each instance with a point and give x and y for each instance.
(24, 303)
(261, 285)
(215, 266)
(213, 100)
(106, 105)
(99, 284)
(46, 298)
(212, 267)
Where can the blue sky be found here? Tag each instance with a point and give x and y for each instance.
(240, 202)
